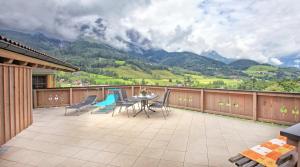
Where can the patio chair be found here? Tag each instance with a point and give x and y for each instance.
(167, 102)
(123, 102)
(161, 104)
(89, 101)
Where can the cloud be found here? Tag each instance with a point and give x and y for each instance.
(261, 30)
(275, 61)
(63, 18)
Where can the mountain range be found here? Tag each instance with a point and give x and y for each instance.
(93, 56)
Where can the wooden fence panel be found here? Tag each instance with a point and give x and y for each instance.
(53, 97)
(193, 99)
(127, 89)
(280, 109)
(177, 98)
(157, 90)
(229, 103)
(136, 90)
(15, 99)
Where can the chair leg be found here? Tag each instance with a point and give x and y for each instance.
(112, 114)
(162, 110)
(120, 109)
(66, 111)
(127, 112)
(167, 110)
(133, 107)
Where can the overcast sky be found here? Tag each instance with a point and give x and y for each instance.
(256, 29)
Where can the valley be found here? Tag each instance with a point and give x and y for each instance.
(103, 64)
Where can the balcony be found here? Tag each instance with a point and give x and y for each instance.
(185, 138)
(205, 128)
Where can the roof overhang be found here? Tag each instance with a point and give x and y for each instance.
(14, 53)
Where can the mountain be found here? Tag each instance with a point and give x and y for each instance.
(243, 64)
(216, 56)
(36, 40)
(189, 61)
(96, 56)
(292, 60)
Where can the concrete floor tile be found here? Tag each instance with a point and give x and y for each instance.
(171, 155)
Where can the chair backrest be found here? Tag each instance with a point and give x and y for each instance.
(90, 99)
(166, 96)
(118, 95)
(161, 98)
(124, 94)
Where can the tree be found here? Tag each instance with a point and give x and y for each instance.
(288, 85)
(188, 81)
(218, 84)
(275, 87)
(143, 82)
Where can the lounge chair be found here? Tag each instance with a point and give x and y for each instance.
(122, 101)
(89, 101)
(162, 104)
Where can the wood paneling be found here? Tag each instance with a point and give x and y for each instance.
(21, 90)
(15, 100)
(2, 125)
(12, 102)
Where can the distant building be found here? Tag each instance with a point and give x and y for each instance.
(43, 78)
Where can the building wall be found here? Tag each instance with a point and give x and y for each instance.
(51, 81)
(15, 100)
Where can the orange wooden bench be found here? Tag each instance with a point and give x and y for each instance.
(273, 153)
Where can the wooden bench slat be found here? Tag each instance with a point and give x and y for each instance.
(236, 158)
(284, 159)
(242, 161)
(259, 165)
(250, 164)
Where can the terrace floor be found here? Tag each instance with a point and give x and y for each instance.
(186, 138)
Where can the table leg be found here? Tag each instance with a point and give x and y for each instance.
(143, 108)
(146, 104)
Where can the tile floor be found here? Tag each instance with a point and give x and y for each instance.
(185, 138)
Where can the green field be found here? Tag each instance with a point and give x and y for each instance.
(261, 71)
(132, 75)
(128, 75)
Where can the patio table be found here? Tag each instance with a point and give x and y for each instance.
(144, 102)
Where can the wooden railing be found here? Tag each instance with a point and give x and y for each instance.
(282, 108)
